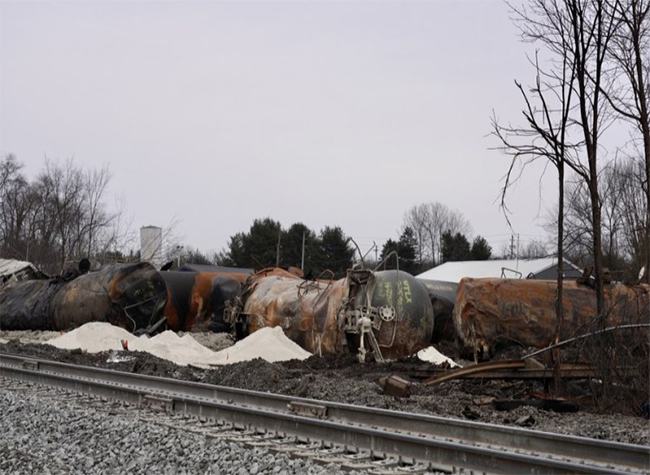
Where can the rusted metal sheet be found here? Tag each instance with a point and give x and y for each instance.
(443, 297)
(542, 373)
(387, 313)
(496, 313)
(479, 368)
(131, 296)
(395, 386)
(196, 300)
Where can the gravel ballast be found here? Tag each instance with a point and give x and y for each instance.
(41, 434)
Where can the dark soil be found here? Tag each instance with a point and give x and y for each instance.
(341, 378)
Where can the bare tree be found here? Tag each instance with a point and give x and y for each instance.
(12, 185)
(533, 250)
(578, 223)
(116, 241)
(9, 171)
(544, 137)
(566, 112)
(562, 110)
(629, 83)
(57, 218)
(96, 183)
(633, 210)
(416, 218)
(63, 187)
(593, 28)
(624, 215)
(429, 221)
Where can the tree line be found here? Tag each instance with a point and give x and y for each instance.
(433, 233)
(624, 239)
(58, 217)
(61, 216)
(438, 237)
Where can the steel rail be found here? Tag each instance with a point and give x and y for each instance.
(421, 437)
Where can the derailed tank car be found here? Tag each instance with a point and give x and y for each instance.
(130, 296)
(196, 300)
(443, 297)
(386, 313)
(494, 313)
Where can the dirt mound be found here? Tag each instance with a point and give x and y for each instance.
(317, 363)
(257, 374)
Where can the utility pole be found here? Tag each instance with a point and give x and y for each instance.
(179, 250)
(277, 251)
(517, 248)
(302, 262)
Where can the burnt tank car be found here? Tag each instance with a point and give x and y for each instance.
(131, 296)
(443, 298)
(492, 314)
(196, 300)
(388, 313)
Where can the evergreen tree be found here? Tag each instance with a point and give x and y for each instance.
(291, 247)
(335, 254)
(481, 250)
(261, 242)
(407, 251)
(407, 248)
(331, 250)
(194, 256)
(254, 249)
(389, 246)
(235, 254)
(455, 247)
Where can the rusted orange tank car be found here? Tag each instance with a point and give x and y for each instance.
(493, 313)
(386, 313)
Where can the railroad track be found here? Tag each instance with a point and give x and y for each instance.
(404, 441)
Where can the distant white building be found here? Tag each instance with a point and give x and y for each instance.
(545, 268)
(151, 245)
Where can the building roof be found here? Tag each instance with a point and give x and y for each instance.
(506, 268)
(11, 266)
(18, 269)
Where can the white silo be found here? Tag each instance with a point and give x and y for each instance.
(151, 245)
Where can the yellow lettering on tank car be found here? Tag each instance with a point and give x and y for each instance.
(407, 292)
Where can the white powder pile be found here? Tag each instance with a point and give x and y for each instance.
(94, 337)
(270, 344)
(432, 355)
(3, 341)
(181, 350)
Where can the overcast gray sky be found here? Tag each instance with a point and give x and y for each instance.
(331, 113)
